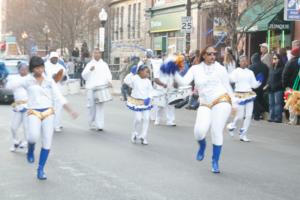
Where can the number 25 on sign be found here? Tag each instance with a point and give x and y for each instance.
(186, 24)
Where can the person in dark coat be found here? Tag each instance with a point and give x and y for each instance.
(289, 75)
(259, 69)
(291, 69)
(275, 89)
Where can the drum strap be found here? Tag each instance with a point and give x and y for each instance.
(222, 98)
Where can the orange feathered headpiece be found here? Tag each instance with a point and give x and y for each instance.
(180, 62)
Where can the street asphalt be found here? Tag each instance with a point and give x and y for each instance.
(90, 165)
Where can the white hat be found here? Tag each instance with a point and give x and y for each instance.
(53, 54)
(264, 45)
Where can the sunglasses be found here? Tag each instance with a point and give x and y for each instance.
(275, 58)
(212, 53)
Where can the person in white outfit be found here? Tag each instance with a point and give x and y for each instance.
(156, 63)
(164, 83)
(140, 102)
(97, 74)
(244, 81)
(52, 67)
(212, 82)
(19, 108)
(42, 95)
(164, 79)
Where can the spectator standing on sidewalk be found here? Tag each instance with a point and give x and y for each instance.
(258, 67)
(290, 72)
(265, 56)
(71, 68)
(275, 90)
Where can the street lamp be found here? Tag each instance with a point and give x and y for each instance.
(46, 30)
(103, 18)
(24, 36)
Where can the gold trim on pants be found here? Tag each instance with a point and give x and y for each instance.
(220, 99)
(41, 115)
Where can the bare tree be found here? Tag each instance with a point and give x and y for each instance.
(227, 10)
(67, 20)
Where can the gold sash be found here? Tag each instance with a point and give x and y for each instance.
(220, 99)
(17, 103)
(137, 102)
(244, 95)
(41, 115)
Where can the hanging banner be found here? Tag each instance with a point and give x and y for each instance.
(219, 27)
(292, 10)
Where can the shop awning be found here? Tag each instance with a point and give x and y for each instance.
(166, 22)
(258, 16)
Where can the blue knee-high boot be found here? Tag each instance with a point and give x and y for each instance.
(30, 152)
(201, 151)
(43, 158)
(215, 158)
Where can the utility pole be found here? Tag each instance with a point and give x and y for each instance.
(61, 28)
(188, 35)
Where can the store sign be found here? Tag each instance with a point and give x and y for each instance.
(186, 24)
(292, 10)
(156, 24)
(169, 22)
(279, 24)
(279, 27)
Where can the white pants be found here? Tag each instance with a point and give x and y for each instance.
(58, 111)
(38, 127)
(243, 111)
(170, 113)
(212, 119)
(141, 123)
(153, 113)
(19, 118)
(96, 111)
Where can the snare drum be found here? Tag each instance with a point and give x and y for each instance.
(159, 98)
(102, 94)
(178, 95)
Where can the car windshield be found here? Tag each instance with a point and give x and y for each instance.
(11, 68)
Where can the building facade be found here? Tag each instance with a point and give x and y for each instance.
(128, 29)
(165, 25)
(2, 18)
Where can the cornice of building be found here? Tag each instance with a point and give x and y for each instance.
(168, 6)
(114, 2)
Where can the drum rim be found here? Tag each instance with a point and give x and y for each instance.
(101, 87)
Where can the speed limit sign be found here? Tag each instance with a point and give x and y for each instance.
(186, 24)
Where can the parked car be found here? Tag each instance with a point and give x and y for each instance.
(6, 96)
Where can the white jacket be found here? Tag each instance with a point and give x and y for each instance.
(42, 95)
(211, 81)
(244, 80)
(101, 75)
